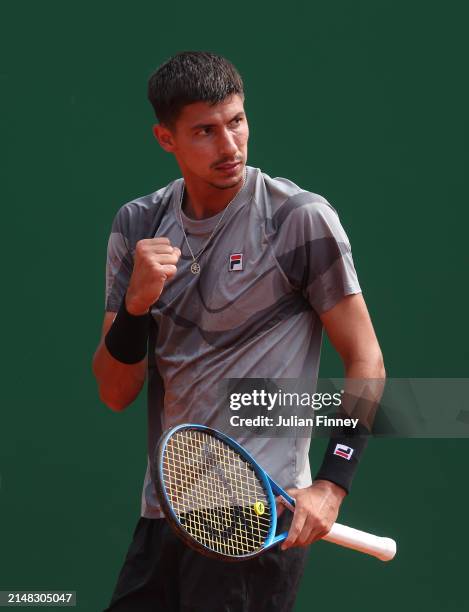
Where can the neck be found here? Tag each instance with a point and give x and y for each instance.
(201, 201)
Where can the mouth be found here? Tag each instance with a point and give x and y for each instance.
(229, 168)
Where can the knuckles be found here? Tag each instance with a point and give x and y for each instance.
(323, 527)
(140, 248)
(152, 246)
(155, 266)
(310, 525)
(145, 254)
(170, 271)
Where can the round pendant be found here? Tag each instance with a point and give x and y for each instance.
(195, 268)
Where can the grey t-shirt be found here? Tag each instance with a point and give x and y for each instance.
(254, 319)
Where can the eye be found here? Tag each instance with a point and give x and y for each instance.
(205, 131)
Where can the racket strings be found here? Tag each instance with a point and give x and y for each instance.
(215, 493)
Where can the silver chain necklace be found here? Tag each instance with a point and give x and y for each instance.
(195, 266)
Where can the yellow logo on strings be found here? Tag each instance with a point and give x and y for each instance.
(259, 508)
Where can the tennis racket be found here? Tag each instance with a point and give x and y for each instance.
(222, 503)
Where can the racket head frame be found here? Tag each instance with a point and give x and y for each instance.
(270, 487)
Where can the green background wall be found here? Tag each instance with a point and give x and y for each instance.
(364, 102)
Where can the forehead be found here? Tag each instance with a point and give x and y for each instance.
(203, 112)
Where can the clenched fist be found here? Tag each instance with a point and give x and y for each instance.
(154, 263)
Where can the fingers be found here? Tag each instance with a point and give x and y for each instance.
(296, 528)
(156, 252)
(160, 240)
(165, 249)
(169, 270)
(164, 259)
(314, 529)
(155, 263)
(161, 246)
(312, 519)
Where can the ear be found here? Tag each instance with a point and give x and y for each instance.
(165, 137)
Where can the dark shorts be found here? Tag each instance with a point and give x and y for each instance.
(162, 574)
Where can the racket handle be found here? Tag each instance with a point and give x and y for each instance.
(383, 549)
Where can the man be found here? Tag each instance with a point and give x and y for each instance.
(225, 273)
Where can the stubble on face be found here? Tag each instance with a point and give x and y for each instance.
(213, 142)
(236, 182)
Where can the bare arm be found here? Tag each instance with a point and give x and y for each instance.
(351, 332)
(118, 383)
(155, 263)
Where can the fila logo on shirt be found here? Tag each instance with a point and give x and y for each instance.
(343, 451)
(236, 262)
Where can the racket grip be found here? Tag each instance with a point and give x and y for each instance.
(383, 549)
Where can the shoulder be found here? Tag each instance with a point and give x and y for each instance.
(136, 218)
(292, 207)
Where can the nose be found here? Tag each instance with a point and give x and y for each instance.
(227, 144)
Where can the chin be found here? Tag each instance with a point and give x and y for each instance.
(229, 185)
(228, 182)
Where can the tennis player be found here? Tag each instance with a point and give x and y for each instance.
(225, 273)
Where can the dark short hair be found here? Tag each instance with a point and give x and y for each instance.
(191, 76)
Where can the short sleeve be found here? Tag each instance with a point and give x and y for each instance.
(314, 252)
(119, 263)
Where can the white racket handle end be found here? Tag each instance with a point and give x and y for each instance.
(383, 549)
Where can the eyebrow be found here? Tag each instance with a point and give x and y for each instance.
(200, 126)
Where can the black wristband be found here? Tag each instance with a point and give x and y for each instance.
(343, 455)
(127, 337)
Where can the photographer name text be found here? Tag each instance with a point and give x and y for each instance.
(318, 420)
